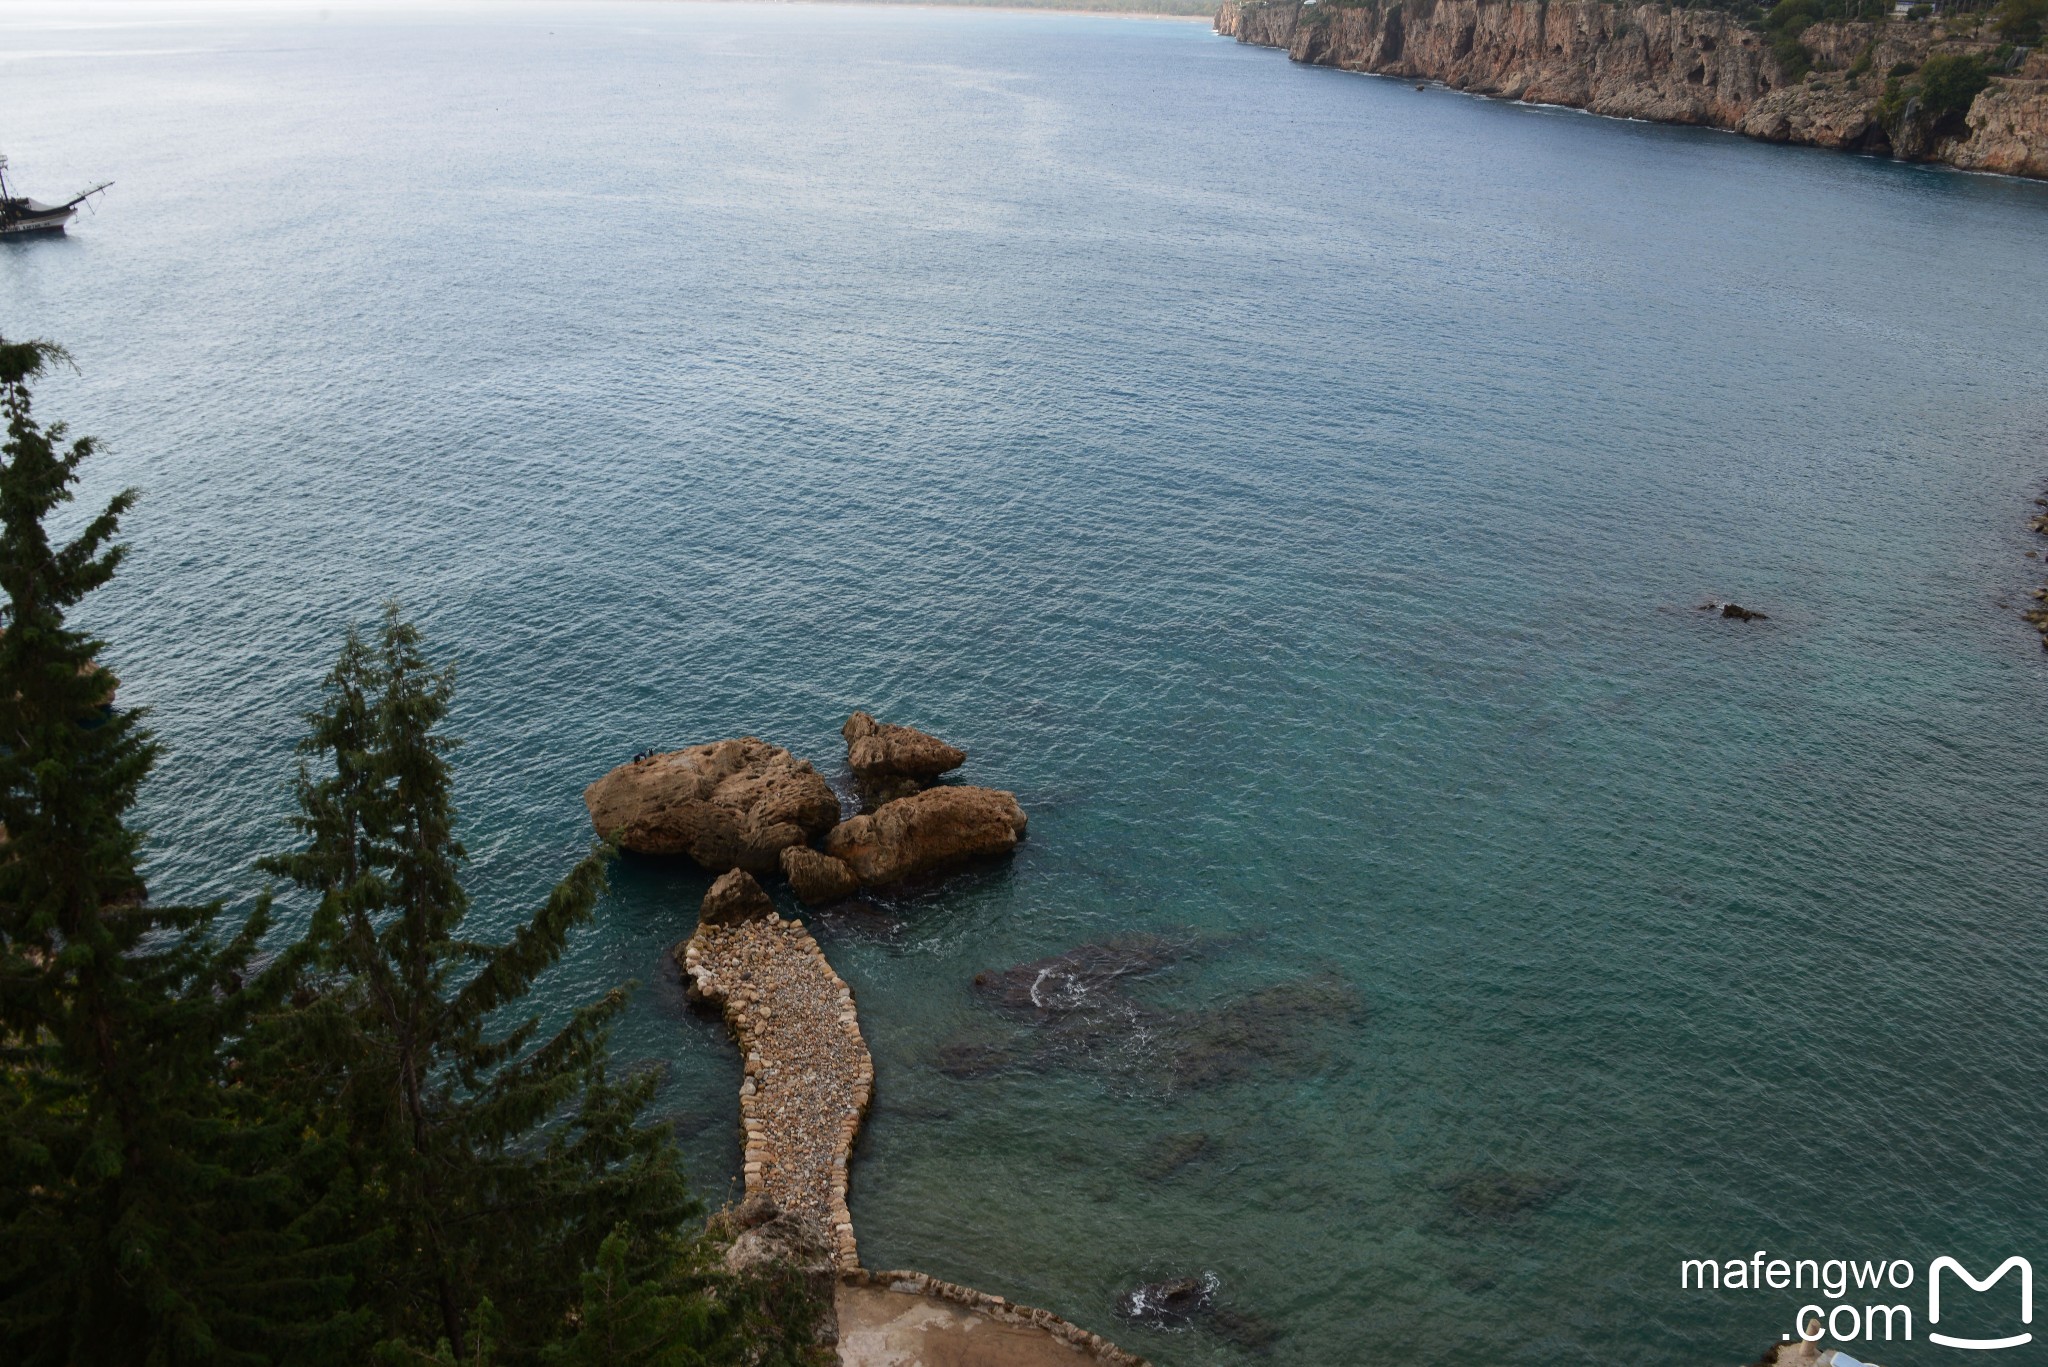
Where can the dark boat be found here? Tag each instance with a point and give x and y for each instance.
(20, 215)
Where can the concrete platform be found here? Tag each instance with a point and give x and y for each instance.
(883, 1328)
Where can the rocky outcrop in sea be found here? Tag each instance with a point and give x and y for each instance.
(746, 804)
(733, 804)
(926, 832)
(1692, 66)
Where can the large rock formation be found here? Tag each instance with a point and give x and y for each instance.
(879, 750)
(890, 762)
(926, 831)
(731, 804)
(1672, 66)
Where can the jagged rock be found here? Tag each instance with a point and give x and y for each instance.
(735, 897)
(796, 1242)
(731, 804)
(1736, 611)
(2008, 130)
(876, 793)
(817, 878)
(752, 1212)
(931, 830)
(879, 750)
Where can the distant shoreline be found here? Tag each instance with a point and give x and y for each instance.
(1207, 16)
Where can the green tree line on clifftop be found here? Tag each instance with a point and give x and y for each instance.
(226, 1143)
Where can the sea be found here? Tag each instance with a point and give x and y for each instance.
(1299, 488)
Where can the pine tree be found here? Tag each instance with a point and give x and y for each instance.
(634, 1323)
(150, 1211)
(491, 1160)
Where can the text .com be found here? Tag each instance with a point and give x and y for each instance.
(1862, 1301)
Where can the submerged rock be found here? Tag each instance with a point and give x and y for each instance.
(1077, 979)
(1498, 1194)
(966, 1059)
(928, 831)
(859, 918)
(730, 804)
(1169, 1304)
(816, 878)
(1168, 1154)
(1081, 1015)
(1282, 1029)
(879, 750)
(1185, 1302)
(1253, 1333)
(735, 897)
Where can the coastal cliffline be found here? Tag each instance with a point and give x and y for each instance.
(1700, 67)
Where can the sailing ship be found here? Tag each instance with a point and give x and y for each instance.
(20, 215)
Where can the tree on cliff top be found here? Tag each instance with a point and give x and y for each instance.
(491, 1160)
(2020, 21)
(150, 1204)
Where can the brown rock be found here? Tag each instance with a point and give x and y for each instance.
(817, 878)
(2008, 131)
(878, 750)
(927, 831)
(752, 1212)
(794, 1245)
(880, 792)
(1672, 64)
(731, 804)
(735, 897)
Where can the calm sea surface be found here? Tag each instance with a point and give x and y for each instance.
(1298, 488)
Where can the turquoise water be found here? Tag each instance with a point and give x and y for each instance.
(1296, 487)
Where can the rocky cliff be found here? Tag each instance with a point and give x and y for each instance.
(1680, 66)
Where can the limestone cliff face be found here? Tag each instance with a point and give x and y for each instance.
(1671, 66)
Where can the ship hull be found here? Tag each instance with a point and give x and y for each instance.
(27, 224)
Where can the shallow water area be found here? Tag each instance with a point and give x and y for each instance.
(1299, 488)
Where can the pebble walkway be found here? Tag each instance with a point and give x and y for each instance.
(809, 1077)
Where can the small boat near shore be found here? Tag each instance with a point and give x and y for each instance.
(20, 215)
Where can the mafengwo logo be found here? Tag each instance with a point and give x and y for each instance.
(1859, 1302)
(2012, 1264)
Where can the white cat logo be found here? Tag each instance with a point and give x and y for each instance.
(2026, 1300)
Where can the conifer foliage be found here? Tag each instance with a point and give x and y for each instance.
(358, 1144)
(493, 1158)
(148, 1209)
